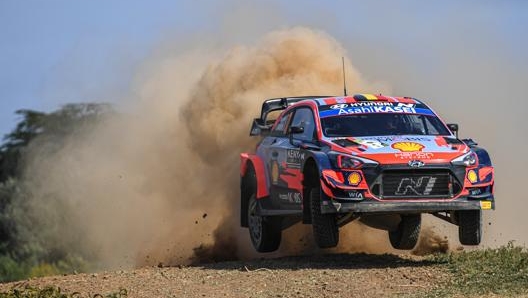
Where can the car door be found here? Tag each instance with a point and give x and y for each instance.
(287, 159)
(268, 150)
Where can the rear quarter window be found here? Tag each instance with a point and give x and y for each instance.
(282, 123)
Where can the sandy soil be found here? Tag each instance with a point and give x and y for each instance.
(329, 275)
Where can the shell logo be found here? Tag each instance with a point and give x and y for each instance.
(472, 176)
(408, 146)
(354, 178)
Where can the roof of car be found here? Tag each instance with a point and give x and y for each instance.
(365, 97)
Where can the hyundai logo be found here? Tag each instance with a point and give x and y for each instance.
(416, 163)
(339, 106)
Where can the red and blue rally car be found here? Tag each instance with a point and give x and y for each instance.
(384, 160)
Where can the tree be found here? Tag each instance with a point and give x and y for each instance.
(56, 124)
(19, 256)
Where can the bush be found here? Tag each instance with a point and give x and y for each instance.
(11, 270)
(54, 292)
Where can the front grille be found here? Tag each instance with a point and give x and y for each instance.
(426, 183)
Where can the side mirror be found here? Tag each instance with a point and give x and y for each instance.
(296, 129)
(454, 128)
(470, 142)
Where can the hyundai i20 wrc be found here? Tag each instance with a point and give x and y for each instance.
(327, 161)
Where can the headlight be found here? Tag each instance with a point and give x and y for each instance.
(347, 162)
(342, 161)
(468, 159)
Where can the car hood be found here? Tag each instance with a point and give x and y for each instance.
(403, 148)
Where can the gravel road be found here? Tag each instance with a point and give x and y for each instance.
(325, 275)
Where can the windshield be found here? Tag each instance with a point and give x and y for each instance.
(382, 124)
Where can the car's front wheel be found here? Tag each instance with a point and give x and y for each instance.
(406, 234)
(325, 228)
(469, 226)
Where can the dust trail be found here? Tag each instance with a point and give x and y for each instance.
(430, 242)
(284, 63)
(149, 185)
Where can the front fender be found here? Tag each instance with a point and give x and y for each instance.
(483, 156)
(321, 161)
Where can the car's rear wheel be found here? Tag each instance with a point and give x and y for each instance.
(407, 233)
(325, 228)
(264, 231)
(469, 226)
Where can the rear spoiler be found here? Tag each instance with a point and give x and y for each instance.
(262, 126)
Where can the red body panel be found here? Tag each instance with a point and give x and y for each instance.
(258, 165)
(293, 178)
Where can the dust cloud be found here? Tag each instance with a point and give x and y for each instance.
(159, 183)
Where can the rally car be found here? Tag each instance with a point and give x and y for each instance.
(384, 160)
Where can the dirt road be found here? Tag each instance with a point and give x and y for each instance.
(328, 275)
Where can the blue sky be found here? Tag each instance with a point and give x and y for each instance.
(58, 51)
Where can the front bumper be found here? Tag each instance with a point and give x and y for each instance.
(331, 206)
(370, 195)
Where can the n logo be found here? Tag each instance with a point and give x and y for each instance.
(421, 186)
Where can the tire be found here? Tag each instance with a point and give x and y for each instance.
(325, 229)
(265, 231)
(469, 227)
(408, 231)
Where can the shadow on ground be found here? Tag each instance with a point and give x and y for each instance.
(322, 261)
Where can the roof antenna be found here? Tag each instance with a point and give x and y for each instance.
(344, 80)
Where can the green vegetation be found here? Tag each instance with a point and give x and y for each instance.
(53, 292)
(502, 271)
(25, 252)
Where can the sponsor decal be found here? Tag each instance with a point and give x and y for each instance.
(421, 186)
(472, 176)
(475, 191)
(352, 194)
(375, 107)
(485, 205)
(274, 172)
(294, 158)
(381, 103)
(339, 106)
(416, 163)
(371, 104)
(371, 143)
(398, 138)
(354, 178)
(408, 146)
(291, 197)
(414, 155)
(343, 105)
